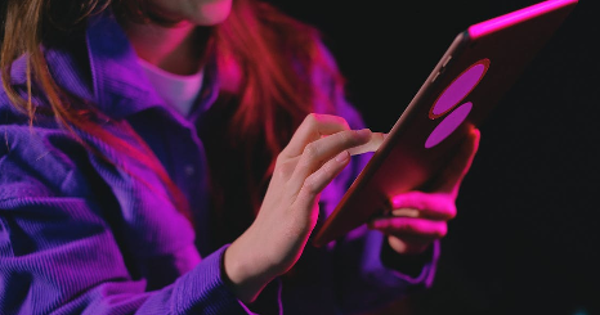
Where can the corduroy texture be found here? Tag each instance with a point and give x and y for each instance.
(79, 235)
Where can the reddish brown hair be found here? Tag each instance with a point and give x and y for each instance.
(22, 35)
(272, 54)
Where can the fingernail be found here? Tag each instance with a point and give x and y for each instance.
(342, 156)
(363, 132)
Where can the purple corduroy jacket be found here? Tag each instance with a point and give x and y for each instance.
(79, 235)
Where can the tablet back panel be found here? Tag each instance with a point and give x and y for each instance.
(479, 67)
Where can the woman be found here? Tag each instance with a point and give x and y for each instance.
(174, 156)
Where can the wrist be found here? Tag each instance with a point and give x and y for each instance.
(242, 273)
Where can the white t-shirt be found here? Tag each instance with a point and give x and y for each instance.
(178, 91)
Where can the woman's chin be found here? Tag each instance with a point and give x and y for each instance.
(211, 13)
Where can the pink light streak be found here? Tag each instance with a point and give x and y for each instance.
(512, 18)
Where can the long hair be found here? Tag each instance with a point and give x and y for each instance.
(27, 26)
(270, 57)
(265, 59)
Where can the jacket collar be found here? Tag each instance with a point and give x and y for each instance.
(114, 81)
(119, 84)
(121, 87)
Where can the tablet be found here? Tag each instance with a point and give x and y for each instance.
(478, 68)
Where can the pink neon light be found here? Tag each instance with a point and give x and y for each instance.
(460, 87)
(448, 125)
(512, 18)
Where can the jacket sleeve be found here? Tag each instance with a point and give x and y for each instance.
(58, 253)
(362, 280)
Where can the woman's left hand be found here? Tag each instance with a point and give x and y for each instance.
(420, 218)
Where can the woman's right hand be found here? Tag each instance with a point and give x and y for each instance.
(318, 151)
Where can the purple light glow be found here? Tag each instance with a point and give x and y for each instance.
(459, 88)
(448, 125)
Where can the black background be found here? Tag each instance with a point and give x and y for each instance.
(526, 237)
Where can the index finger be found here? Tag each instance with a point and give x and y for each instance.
(371, 146)
(311, 129)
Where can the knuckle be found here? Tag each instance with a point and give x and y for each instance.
(311, 119)
(283, 170)
(280, 159)
(311, 151)
(452, 211)
(341, 121)
(441, 231)
(310, 186)
(344, 122)
(347, 137)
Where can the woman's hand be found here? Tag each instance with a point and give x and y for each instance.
(316, 154)
(420, 218)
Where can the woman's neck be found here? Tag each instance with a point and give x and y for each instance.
(174, 49)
